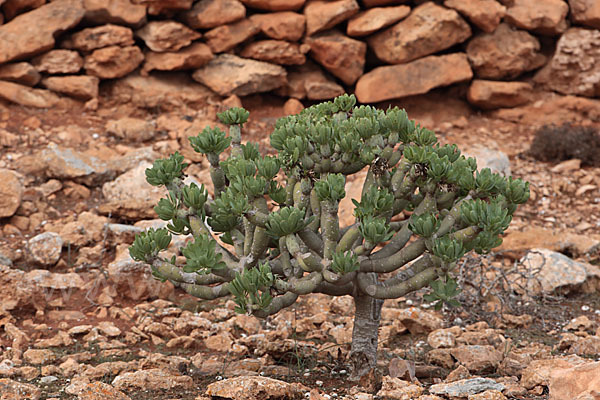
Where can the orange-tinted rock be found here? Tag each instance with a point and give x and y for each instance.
(416, 77)
(11, 8)
(11, 192)
(372, 20)
(275, 51)
(575, 382)
(21, 72)
(476, 358)
(275, 5)
(26, 96)
(574, 68)
(191, 57)
(322, 15)
(113, 61)
(309, 82)
(208, 14)
(100, 36)
(547, 17)
(101, 391)
(428, 29)
(121, 12)
(496, 94)
(58, 62)
(506, 53)
(292, 107)
(585, 12)
(486, 14)
(253, 387)
(33, 32)
(227, 37)
(344, 57)
(17, 390)
(79, 86)
(378, 3)
(284, 25)
(227, 74)
(163, 36)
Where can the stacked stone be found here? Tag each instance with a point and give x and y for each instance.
(304, 49)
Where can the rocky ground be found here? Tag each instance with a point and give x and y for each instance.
(80, 319)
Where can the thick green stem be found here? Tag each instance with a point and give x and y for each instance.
(312, 240)
(174, 274)
(334, 289)
(235, 131)
(278, 303)
(248, 235)
(206, 292)
(216, 173)
(330, 228)
(348, 239)
(418, 281)
(305, 285)
(395, 261)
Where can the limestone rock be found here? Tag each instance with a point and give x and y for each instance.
(252, 387)
(342, 56)
(20, 72)
(101, 391)
(285, 25)
(441, 338)
(486, 14)
(11, 193)
(15, 7)
(39, 357)
(486, 157)
(575, 66)
(33, 32)
(428, 29)
(539, 371)
(374, 19)
(120, 12)
(26, 96)
(395, 388)
(477, 358)
(227, 37)
(465, 387)
(152, 380)
(516, 244)
(547, 17)
(132, 129)
(322, 15)
(378, 3)
(495, 94)
(113, 61)
(79, 86)
(554, 271)
(275, 51)
(165, 91)
(504, 54)
(275, 5)
(227, 74)
(65, 163)
(161, 36)
(58, 62)
(130, 194)
(134, 280)
(572, 383)
(41, 278)
(292, 107)
(45, 248)
(208, 14)
(17, 390)
(418, 321)
(416, 77)
(100, 36)
(585, 12)
(309, 82)
(194, 56)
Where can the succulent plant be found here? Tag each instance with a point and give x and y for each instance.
(423, 206)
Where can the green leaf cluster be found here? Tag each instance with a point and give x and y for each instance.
(165, 171)
(344, 262)
(424, 225)
(443, 293)
(375, 202)
(448, 250)
(332, 188)
(201, 256)
(147, 244)
(375, 229)
(251, 288)
(210, 141)
(286, 221)
(234, 116)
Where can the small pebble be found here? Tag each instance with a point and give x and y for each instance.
(48, 379)
(585, 308)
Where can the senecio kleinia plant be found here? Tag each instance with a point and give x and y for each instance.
(279, 214)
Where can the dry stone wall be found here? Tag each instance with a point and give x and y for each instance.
(303, 49)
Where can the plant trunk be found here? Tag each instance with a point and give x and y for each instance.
(363, 355)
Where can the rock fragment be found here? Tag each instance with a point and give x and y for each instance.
(21, 72)
(82, 87)
(113, 61)
(497, 94)
(194, 56)
(321, 15)
(162, 36)
(275, 51)
(486, 14)
(226, 37)
(33, 32)
(416, 77)
(45, 248)
(26, 96)
(11, 192)
(585, 12)
(100, 36)
(374, 19)
(227, 74)
(285, 25)
(547, 17)
(58, 61)
(252, 387)
(208, 14)
(120, 12)
(275, 5)
(310, 82)
(428, 29)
